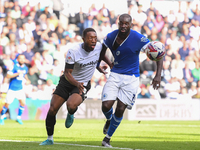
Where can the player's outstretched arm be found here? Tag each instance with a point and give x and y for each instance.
(105, 59)
(10, 75)
(157, 78)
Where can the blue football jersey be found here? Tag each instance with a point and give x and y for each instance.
(16, 83)
(126, 56)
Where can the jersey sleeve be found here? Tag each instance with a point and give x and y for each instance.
(143, 42)
(105, 41)
(70, 59)
(144, 48)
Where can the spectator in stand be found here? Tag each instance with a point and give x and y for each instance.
(159, 23)
(177, 66)
(184, 95)
(15, 31)
(80, 19)
(20, 21)
(46, 12)
(195, 30)
(16, 13)
(185, 32)
(198, 93)
(173, 45)
(28, 55)
(112, 18)
(98, 30)
(172, 88)
(196, 16)
(148, 68)
(57, 68)
(105, 11)
(6, 7)
(196, 72)
(140, 17)
(38, 11)
(151, 8)
(27, 9)
(53, 21)
(153, 93)
(171, 16)
(57, 7)
(93, 11)
(166, 71)
(149, 23)
(187, 73)
(25, 34)
(193, 90)
(143, 93)
(33, 76)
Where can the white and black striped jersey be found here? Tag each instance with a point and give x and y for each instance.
(84, 62)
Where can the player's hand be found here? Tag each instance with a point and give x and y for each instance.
(156, 82)
(102, 69)
(80, 87)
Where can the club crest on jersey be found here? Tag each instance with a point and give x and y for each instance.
(105, 95)
(117, 53)
(144, 39)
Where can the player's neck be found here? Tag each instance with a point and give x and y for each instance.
(85, 47)
(123, 36)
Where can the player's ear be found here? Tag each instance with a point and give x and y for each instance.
(132, 25)
(83, 39)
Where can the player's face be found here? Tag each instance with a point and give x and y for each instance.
(124, 25)
(90, 40)
(21, 59)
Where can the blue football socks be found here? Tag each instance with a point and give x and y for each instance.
(3, 111)
(20, 111)
(108, 114)
(114, 123)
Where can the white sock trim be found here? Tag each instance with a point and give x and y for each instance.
(50, 137)
(108, 136)
(19, 117)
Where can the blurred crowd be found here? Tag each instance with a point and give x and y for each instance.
(40, 34)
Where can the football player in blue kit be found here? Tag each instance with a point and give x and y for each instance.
(123, 82)
(17, 77)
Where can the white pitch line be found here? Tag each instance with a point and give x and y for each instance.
(80, 145)
(172, 125)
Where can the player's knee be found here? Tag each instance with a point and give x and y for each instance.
(71, 105)
(52, 111)
(22, 102)
(119, 112)
(105, 107)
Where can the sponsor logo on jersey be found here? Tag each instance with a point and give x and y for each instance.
(144, 39)
(68, 59)
(90, 63)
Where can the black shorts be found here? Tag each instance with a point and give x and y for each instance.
(64, 89)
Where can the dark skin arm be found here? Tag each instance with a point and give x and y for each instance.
(104, 58)
(70, 78)
(157, 78)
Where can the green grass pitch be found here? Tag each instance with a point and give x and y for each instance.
(87, 135)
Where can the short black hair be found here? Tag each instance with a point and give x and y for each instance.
(125, 15)
(87, 30)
